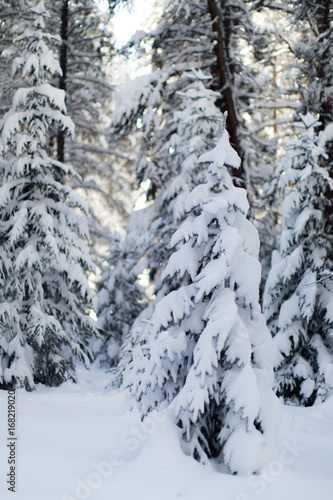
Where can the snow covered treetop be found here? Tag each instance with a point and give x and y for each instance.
(38, 58)
(38, 105)
(40, 9)
(222, 154)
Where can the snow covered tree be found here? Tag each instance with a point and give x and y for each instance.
(205, 347)
(298, 298)
(44, 257)
(297, 294)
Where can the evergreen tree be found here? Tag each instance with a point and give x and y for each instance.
(299, 292)
(205, 347)
(45, 296)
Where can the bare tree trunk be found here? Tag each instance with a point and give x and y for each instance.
(323, 19)
(63, 65)
(323, 24)
(224, 74)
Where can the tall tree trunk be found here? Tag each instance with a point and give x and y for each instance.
(224, 73)
(63, 65)
(323, 18)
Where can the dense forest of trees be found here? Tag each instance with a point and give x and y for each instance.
(217, 290)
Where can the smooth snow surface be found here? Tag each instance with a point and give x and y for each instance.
(83, 442)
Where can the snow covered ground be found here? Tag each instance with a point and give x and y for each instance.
(83, 442)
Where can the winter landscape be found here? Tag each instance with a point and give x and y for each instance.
(166, 249)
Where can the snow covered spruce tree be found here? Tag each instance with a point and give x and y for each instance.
(44, 257)
(205, 348)
(298, 298)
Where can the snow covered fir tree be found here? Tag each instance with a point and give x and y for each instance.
(44, 255)
(205, 348)
(298, 293)
(298, 296)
